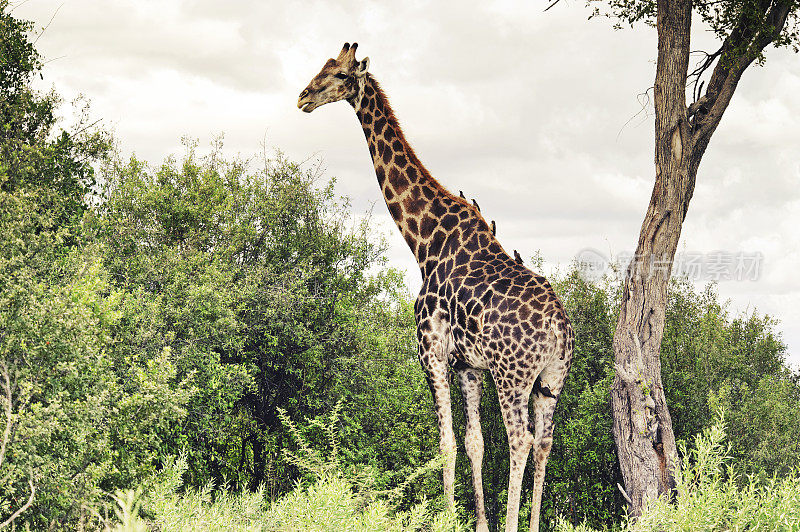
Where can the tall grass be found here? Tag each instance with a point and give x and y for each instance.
(329, 500)
(712, 496)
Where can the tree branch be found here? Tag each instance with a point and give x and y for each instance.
(750, 41)
(697, 105)
(624, 494)
(698, 72)
(24, 507)
(9, 410)
(552, 4)
(10, 422)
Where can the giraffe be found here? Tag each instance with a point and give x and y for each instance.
(478, 310)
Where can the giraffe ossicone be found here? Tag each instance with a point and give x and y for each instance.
(479, 308)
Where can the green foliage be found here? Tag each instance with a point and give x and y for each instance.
(328, 504)
(712, 494)
(76, 425)
(55, 304)
(127, 512)
(183, 307)
(266, 295)
(203, 297)
(33, 153)
(762, 424)
(18, 56)
(741, 24)
(311, 460)
(710, 358)
(331, 499)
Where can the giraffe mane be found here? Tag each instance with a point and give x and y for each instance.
(383, 100)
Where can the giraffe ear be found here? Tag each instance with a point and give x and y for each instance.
(362, 67)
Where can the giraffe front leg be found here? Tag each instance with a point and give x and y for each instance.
(514, 406)
(471, 382)
(436, 373)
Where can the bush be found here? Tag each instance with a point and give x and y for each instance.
(713, 495)
(330, 499)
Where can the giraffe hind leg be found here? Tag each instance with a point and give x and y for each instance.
(514, 407)
(546, 389)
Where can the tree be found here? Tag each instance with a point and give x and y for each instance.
(33, 152)
(643, 429)
(268, 298)
(62, 402)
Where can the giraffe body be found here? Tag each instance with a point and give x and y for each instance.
(479, 309)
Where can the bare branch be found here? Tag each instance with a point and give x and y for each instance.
(644, 101)
(24, 507)
(698, 90)
(9, 410)
(48, 23)
(8, 398)
(84, 128)
(552, 4)
(697, 105)
(695, 76)
(15, 6)
(622, 490)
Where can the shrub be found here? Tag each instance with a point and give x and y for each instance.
(331, 499)
(712, 495)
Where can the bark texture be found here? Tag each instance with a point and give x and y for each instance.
(642, 424)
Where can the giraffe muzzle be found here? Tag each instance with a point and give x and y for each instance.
(303, 102)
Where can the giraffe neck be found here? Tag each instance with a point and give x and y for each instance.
(434, 222)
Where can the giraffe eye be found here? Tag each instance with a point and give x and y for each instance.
(340, 75)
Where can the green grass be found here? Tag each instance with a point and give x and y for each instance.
(331, 501)
(712, 496)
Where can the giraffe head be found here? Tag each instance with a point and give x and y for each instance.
(340, 79)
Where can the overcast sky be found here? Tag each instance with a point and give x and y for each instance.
(537, 115)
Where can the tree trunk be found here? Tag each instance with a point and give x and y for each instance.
(642, 424)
